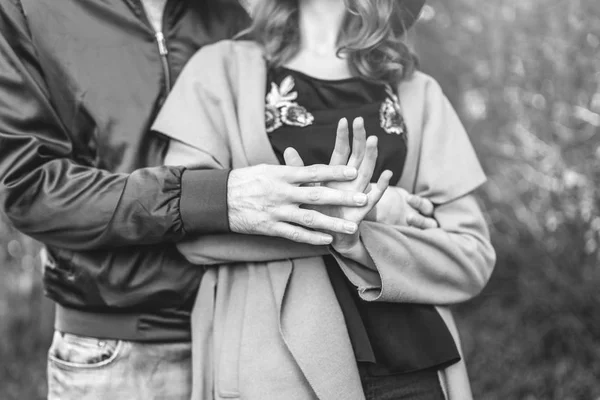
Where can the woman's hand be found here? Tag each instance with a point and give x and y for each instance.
(398, 207)
(363, 158)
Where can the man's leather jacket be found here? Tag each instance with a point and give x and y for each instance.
(80, 84)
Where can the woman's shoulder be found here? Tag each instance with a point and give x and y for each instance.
(421, 85)
(217, 66)
(223, 52)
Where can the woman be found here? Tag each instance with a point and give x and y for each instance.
(276, 320)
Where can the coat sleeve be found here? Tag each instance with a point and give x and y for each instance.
(51, 197)
(446, 265)
(236, 248)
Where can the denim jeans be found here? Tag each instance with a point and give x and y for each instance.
(421, 385)
(82, 368)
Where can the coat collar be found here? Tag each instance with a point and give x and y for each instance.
(251, 103)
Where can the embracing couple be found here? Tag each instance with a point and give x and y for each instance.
(290, 222)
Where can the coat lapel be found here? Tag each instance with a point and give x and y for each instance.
(251, 104)
(313, 328)
(202, 343)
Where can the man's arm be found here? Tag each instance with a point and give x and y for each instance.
(59, 202)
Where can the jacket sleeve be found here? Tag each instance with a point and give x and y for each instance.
(50, 197)
(446, 265)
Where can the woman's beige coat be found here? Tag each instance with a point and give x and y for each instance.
(266, 323)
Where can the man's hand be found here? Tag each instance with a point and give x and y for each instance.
(363, 157)
(398, 207)
(266, 199)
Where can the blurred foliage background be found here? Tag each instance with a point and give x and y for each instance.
(525, 77)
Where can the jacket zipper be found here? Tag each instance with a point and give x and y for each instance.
(161, 41)
(163, 50)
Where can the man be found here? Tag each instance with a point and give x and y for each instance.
(80, 84)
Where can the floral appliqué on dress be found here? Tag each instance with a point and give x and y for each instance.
(390, 116)
(281, 109)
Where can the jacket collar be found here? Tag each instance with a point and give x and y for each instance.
(173, 10)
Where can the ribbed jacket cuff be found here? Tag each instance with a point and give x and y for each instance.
(203, 204)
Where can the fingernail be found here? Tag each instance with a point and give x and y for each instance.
(350, 172)
(350, 227)
(360, 198)
(326, 239)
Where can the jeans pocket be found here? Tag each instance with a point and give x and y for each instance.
(79, 352)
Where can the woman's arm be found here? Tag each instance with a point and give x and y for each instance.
(234, 248)
(446, 265)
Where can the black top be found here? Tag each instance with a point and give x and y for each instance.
(303, 112)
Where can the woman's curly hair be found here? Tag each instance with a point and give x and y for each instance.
(371, 37)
